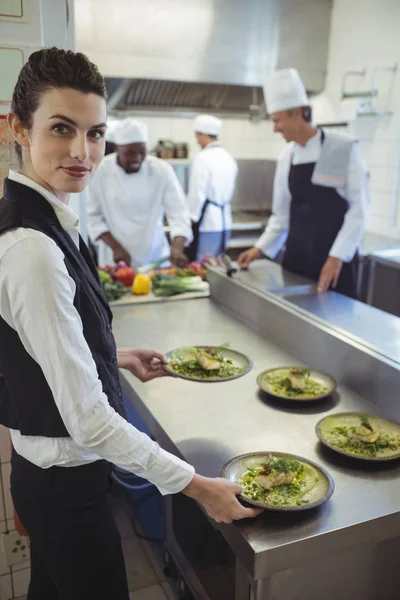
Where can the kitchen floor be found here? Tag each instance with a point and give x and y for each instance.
(146, 579)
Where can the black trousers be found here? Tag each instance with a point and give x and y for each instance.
(76, 551)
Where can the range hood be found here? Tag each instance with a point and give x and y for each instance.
(135, 95)
(201, 55)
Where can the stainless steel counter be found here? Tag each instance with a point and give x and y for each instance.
(209, 424)
(372, 242)
(375, 328)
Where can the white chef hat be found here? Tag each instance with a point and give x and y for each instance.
(111, 125)
(284, 90)
(207, 124)
(128, 131)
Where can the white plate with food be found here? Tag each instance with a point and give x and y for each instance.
(279, 481)
(296, 383)
(207, 363)
(360, 435)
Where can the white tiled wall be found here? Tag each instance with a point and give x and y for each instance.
(242, 138)
(365, 35)
(14, 581)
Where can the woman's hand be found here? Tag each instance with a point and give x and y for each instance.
(144, 364)
(330, 274)
(219, 498)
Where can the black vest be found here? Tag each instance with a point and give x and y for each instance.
(26, 401)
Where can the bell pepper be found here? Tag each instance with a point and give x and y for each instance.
(141, 285)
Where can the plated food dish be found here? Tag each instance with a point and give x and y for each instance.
(296, 383)
(280, 481)
(360, 435)
(207, 363)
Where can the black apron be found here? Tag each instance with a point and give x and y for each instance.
(191, 251)
(316, 217)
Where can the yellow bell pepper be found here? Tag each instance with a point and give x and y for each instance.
(141, 285)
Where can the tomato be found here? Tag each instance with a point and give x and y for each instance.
(194, 266)
(125, 275)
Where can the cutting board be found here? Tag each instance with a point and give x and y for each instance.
(131, 300)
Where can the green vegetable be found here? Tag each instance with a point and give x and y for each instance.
(283, 387)
(113, 290)
(104, 276)
(288, 494)
(339, 437)
(186, 363)
(168, 285)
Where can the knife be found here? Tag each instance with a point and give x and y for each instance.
(230, 270)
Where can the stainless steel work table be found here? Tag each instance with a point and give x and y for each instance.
(377, 329)
(353, 537)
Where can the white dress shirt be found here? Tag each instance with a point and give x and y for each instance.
(212, 177)
(132, 207)
(355, 191)
(36, 300)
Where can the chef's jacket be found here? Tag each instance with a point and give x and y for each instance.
(212, 177)
(132, 206)
(355, 191)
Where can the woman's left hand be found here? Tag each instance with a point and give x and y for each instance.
(144, 364)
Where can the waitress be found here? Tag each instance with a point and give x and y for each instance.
(320, 198)
(60, 394)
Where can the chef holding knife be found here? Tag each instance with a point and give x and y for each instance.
(211, 187)
(127, 200)
(320, 197)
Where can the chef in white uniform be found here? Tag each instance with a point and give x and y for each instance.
(128, 198)
(211, 187)
(320, 197)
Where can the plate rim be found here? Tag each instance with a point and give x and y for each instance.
(303, 507)
(350, 454)
(309, 399)
(216, 380)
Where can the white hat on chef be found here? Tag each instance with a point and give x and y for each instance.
(207, 124)
(111, 125)
(284, 90)
(128, 131)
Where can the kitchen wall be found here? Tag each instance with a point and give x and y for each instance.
(365, 35)
(45, 25)
(14, 580)
(243, 138)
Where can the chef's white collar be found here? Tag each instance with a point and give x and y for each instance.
(313, 141)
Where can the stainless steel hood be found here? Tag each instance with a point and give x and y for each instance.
(202, 54)
(156, 94)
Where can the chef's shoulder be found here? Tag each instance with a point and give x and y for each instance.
(340, 137)
(286, 154)
(107, 165)
(159, 167)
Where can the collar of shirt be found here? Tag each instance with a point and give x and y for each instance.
(308, 153)
(212, 145)
(68, 219)
(314, 141)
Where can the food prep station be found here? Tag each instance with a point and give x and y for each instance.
(348, 547)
